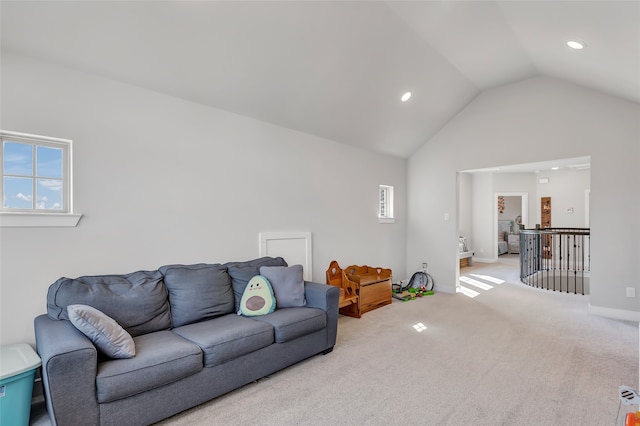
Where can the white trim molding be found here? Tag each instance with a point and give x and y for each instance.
(619, 314)
(484, 259)
(386, 220)
(287, 244)
(38, 220)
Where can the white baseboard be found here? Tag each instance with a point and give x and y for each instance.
(484, 260)
(619, 314)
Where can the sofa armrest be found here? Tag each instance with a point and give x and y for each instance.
(324, 297)
(321, 296)
(69, 369)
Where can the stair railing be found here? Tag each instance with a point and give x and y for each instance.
(557, 259)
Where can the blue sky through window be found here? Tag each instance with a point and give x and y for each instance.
(19, 176)
(49, 162)
(18, 159)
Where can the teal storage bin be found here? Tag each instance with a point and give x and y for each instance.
(18, 365)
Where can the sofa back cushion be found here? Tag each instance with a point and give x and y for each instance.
(137, 301)
(198, 292)
(242, 272)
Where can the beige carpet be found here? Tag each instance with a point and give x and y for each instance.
(511, 355)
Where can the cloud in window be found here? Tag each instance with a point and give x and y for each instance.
(23, 197)
(41, 204)
(53, 185)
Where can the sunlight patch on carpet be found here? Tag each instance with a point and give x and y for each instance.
(419, 327)
(467, 291)
(476, 283)
(488, 278)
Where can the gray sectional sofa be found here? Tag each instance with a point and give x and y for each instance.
(190, 343)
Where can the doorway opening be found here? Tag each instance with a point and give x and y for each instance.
(511, 215)
(478, 217)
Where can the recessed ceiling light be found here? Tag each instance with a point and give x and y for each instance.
(555, 168)
(574, 44)
(406, 97)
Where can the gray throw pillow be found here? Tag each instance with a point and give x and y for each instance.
(287, 283)
(108, 336)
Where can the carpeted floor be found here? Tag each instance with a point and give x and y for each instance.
(509, 355)
(501, 353)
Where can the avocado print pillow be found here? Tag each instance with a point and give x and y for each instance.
(258, 298)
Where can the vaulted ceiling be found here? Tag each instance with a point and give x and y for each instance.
(336, 69)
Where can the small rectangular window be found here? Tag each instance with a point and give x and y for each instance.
(385, 206)
(35, 173)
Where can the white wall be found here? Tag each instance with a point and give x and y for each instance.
(548, 119)
(162, 180)
(465, 211)
(566, 189)
(484, 230)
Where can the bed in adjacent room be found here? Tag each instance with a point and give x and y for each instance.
(504, 228)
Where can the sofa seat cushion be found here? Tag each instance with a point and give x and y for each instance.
(227, 337)
(162, 357)
(291, 323)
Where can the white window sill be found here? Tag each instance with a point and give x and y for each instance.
(38, 220)
(386, 220)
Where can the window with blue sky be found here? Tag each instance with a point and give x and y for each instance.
(33, 175)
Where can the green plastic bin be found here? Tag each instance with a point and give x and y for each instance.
(18, 365)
